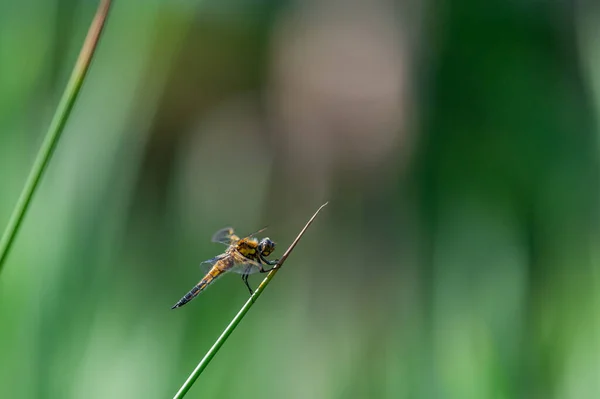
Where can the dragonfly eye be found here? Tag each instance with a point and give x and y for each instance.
(266, 246)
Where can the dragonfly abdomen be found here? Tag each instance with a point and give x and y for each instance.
(198, 288)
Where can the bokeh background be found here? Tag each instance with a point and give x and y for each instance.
(457, 143)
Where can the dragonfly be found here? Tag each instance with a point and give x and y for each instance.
(245, 256)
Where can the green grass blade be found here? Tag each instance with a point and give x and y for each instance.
(54, 131)
(240, 315)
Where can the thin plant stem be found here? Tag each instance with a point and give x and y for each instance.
(55, 130)
(240, 315)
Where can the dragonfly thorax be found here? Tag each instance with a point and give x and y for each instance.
(248, 248)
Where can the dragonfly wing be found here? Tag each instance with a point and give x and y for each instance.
(231, 262)
(256, 232)
(243, 265)
(207, 265)
(225, 236)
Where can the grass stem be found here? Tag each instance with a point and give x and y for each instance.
(238, 317)
(54, 132)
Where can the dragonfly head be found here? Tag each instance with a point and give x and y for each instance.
(266, 246)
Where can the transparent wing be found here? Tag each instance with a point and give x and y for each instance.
(231, 262)
(225, 236)
(208, 264)
(256, 232)
(243, 265)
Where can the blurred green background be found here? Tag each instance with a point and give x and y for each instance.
(457, 145)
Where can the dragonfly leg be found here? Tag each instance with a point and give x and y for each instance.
(245, 280)
(268, 262)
